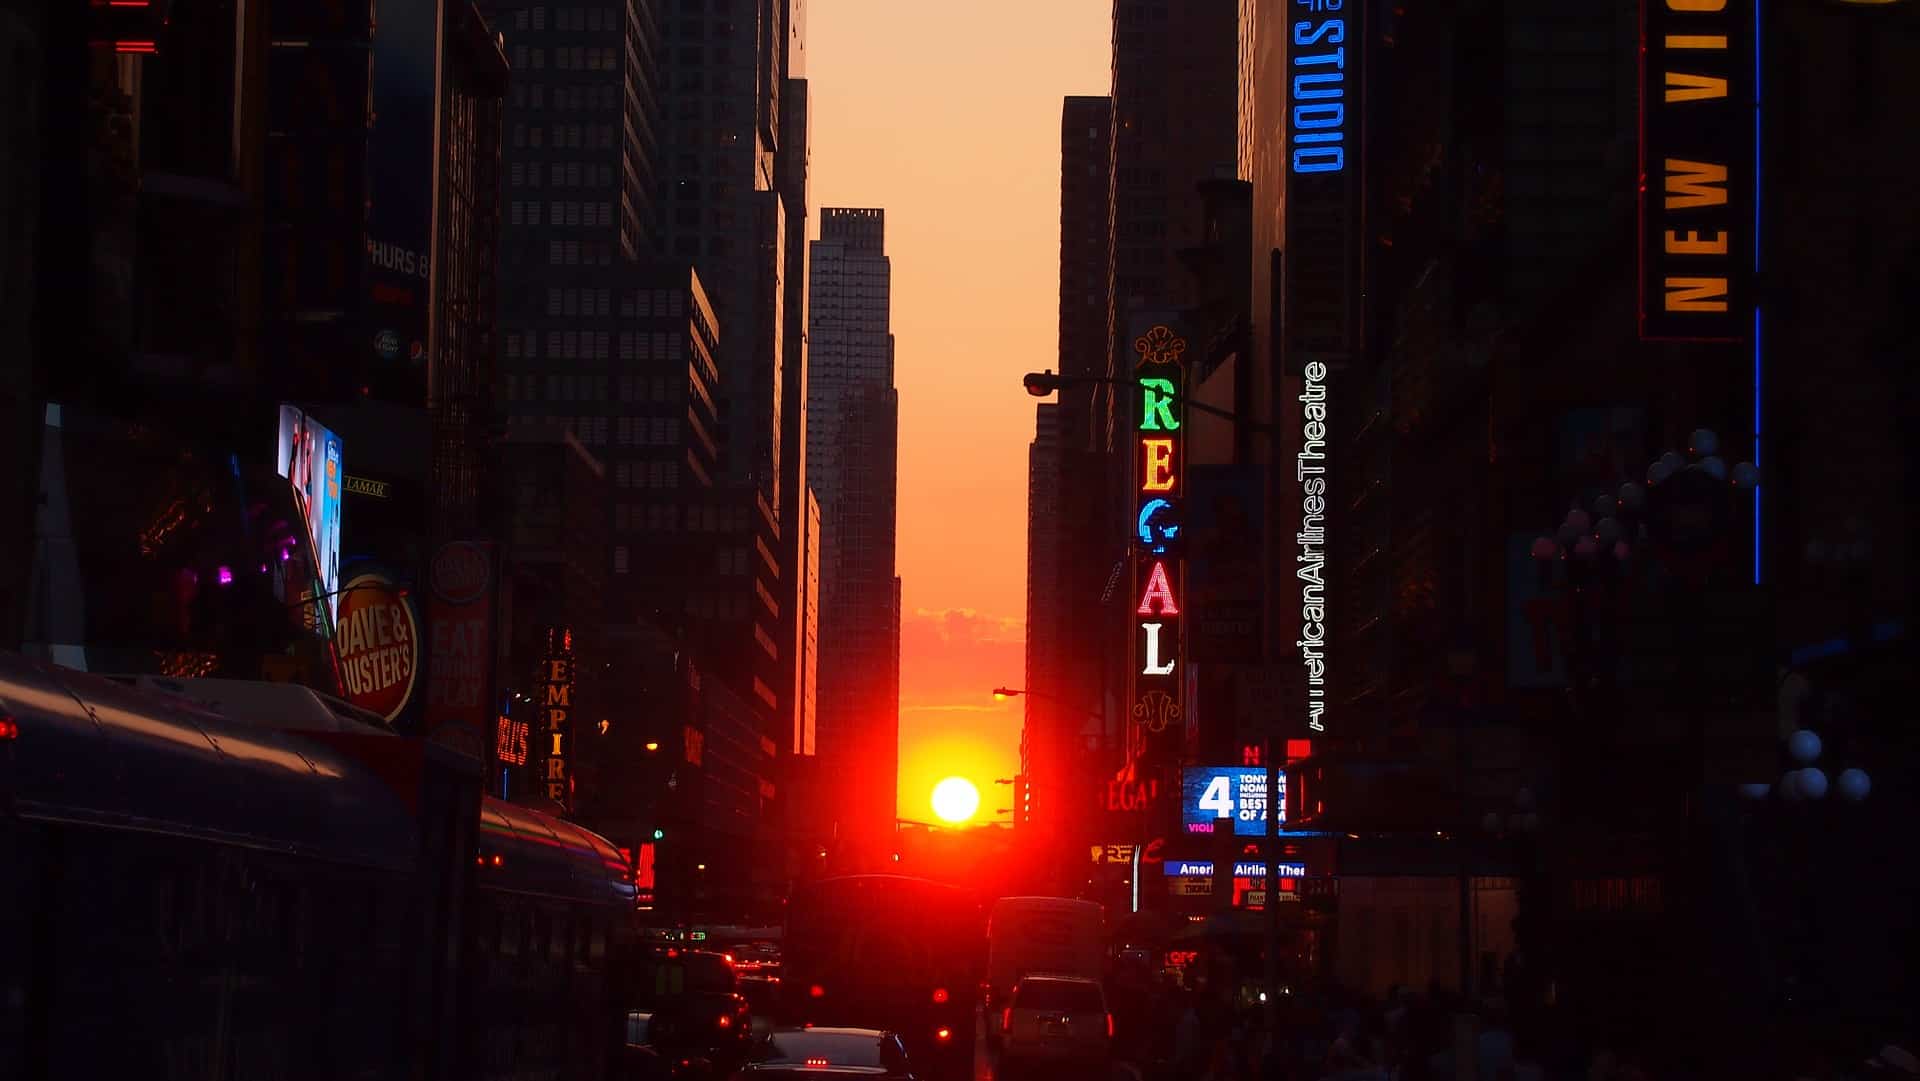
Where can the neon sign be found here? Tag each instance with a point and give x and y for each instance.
(1157, 643)
(1310, 469)
(1317, 65)
(556, 707)
(510, 741)
(1696, 174)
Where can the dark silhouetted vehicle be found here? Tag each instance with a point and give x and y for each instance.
(800, 1054)
(277, 894)
(888, 952)
(693, 1005)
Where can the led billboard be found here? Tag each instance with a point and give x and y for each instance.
(308, 456)
(1210, 795)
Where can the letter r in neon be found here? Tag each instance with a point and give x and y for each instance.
(1156, 406)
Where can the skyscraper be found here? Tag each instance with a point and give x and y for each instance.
(1048, 620)
(727, 212)
(853, 420)
(850, 347)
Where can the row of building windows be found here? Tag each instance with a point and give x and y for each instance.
(563, 98)
(707, 606)
(524, 212)
(576, 20)
(563, 136)
(579, 302)
(564, 344)
(571, 174)
(625, 431)
(659, 475)
(576, 253)
(566, 58)
(592, 344)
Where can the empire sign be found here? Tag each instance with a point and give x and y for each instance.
(556, 713)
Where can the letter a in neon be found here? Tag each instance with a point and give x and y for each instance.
(1158, 589)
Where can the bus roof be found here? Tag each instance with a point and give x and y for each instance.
(95, 752)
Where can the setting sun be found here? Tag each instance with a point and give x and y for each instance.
(955, 799)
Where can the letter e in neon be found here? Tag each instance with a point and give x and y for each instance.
(1157, 469)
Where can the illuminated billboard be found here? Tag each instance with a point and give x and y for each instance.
(308, 456)
(1320, 308)
(1698, 115)
(1212, 795)
(1157, 636)
(378, 642)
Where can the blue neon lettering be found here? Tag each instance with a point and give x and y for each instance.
(1319, 118)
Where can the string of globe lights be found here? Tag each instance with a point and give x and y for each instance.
(1619, 524)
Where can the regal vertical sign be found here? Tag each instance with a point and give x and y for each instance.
(1157, 646)
(1697, 118)
(1321, 289)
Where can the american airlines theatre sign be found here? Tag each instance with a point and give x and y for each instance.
(1158, 670)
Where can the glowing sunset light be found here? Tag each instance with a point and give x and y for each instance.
(955, 799)
(971, 186)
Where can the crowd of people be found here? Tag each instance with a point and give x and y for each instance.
(1409, 1035)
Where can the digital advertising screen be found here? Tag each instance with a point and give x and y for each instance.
(308, 455)
(1213, 795)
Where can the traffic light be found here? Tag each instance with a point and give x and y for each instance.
(659, 835)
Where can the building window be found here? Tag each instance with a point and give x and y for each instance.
(539, 18)
(619, 559)
(553, 302)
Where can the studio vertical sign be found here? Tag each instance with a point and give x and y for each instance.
(1697, 121)
(555, 688)
(1157, 645)
(1321, 289)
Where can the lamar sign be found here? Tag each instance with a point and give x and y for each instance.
(378, 640)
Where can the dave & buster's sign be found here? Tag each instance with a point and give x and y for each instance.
(378, 640)
(1697, 102)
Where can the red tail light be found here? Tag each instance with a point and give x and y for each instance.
(1109, 1026)
(939, 996)
(816, 1062)
(1006, 1019)
(9, 728)
(817, 991)
(943, 1035)
(727, 1022)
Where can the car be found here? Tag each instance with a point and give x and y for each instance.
(694, 1004)
(1055, 1019)
(800, 1054)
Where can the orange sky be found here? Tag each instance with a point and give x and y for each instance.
(948, 116)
